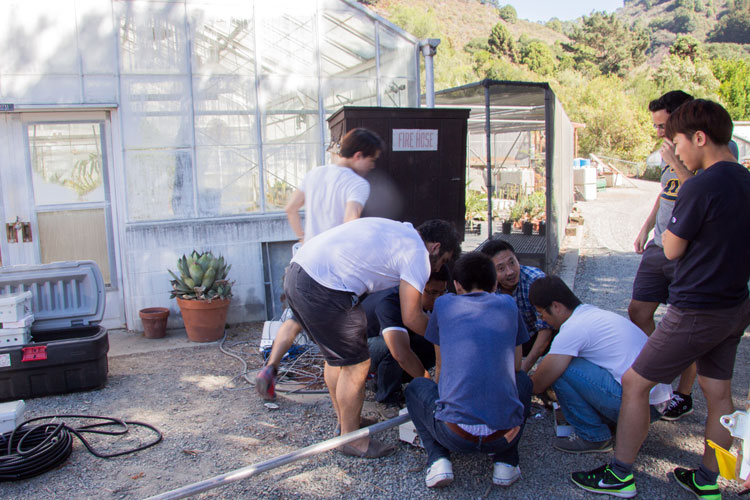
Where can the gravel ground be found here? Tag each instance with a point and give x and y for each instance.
(209, 430)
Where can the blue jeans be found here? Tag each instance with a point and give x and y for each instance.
(439, 440)
(390, 375)
(590, 399)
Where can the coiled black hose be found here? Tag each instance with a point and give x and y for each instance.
(31, 450)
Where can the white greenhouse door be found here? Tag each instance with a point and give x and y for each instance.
(56, 195)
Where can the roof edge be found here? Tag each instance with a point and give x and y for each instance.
(369, 13)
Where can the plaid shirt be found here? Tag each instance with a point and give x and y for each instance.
(526, 277)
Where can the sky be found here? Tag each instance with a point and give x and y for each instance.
(565, 10)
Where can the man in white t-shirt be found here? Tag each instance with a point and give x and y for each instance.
(332, 195)
(326, 279)
(585, 364)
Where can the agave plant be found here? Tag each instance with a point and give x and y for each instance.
(202, 277)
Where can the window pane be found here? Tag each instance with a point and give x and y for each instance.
(66, 162)
(228, 181)
(347, 43)
(222, 39)
(284, 167)
(224, 110)
(74, 235)
(160, 185)
(349, 92)
(287, 37)
(397, 55)
(290, 110)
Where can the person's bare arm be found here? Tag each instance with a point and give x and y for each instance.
(642, 238)
(352, 211)
(674, 246)
(292, 208)
(398, 344)
(412, 314)
(671, 159)
(550, 369)
(543, 338)
(438, 362)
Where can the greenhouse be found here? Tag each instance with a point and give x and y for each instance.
(135, 131)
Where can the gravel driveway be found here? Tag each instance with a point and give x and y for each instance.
(209, 430)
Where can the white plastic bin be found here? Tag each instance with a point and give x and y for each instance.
(15, 306)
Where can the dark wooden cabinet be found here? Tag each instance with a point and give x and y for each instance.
(415, 179)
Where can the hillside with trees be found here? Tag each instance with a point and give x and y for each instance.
(605, 68)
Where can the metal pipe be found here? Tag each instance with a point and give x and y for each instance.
(429, 49)
(251, 470)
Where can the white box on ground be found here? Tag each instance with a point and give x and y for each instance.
(407, 432)
(15, 336)
(561, 429)
(21, 323)
(15, 306)
(11, 415)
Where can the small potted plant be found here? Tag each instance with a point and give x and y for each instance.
(203, 293)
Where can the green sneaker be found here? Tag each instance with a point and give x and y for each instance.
(686, 479)
(606, 482)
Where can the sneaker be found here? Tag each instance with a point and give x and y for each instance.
(678, 407)
(603, 480)
(686, 479)
(265, 383)
(576, 444)
(504, 474)
(440, 473)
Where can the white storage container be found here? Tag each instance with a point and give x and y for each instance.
(22, 323)
(584, 175)
(15, 336)
(15, 306)
(11, 415)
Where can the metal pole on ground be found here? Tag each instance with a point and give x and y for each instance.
(252, 470)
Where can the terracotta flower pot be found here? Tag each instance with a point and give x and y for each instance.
(154, 322)
(204, 320)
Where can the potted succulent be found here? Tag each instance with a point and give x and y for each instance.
(203, 294)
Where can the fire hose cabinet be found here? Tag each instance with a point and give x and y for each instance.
(68, 347)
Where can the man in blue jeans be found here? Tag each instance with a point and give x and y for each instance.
(482, 398)
(586, 360)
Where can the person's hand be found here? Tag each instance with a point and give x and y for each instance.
(667, 153)
(640, 241)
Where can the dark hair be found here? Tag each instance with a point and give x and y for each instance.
(443, 232)
(442, 275)
(361, 140)
(670, 101)
(704, 115)
(475, 270)
(544, 291)
(494, 247)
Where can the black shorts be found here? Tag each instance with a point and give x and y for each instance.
(655, 273)
(333, 318)
(707, 336)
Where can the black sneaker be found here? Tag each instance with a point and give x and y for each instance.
(604, 481)
(686, 479)
(678, 407)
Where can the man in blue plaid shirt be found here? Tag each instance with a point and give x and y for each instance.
(514, 279)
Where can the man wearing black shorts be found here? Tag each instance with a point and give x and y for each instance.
(709, 236)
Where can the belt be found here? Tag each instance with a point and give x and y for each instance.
(485, 439)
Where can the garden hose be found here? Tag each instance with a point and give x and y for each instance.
(31, 450)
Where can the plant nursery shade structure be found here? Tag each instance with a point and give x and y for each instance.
(521, 141)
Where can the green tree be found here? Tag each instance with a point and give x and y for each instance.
(733, 28)
(538, 57)
(683, 21)
(604, 40)
(417, 21)
(694, 77)
(686, 46)
(508, 13)
(734, 75)
(501, 42)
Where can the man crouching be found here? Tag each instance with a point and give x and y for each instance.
(482, 398)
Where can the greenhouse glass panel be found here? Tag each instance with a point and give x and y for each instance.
(222, 39)
(398, 56)
(396, 92)
(348, 92)
(347, 43)
(228, 181)
(159, 185)
(284, 167)
(290, 109)
(156, 112)
(152, 37)
(287, 37)
(224, 108)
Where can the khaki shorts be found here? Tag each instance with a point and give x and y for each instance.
(708, 337)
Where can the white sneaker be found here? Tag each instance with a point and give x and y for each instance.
(504, 474)
(440, 473)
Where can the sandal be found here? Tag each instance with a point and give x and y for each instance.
(363, 422)
(375, 449)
